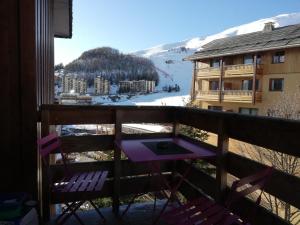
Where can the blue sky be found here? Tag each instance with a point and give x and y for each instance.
(131, 25)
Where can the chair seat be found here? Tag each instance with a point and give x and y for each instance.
(202, 211)
(79, 186)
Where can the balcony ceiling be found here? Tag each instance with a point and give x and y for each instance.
(62, 18)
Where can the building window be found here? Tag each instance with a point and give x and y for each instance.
(214, 107)
(259, 59)
(215, 63)
(213, 85)
(248, 59)
(278, 57)
(247, 85)
(276, 84)
(248, 111)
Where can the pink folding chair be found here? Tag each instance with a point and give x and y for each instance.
(74, 188)
(205, 211)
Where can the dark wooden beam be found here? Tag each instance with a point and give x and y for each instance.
(221, 173)
(117, 161)
(254, 79)
(221, 78)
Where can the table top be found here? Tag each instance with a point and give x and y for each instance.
(137, 151)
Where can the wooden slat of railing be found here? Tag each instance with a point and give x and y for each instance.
(202, 119)
(81, 116)
(276, 134)
(87, 143)
(284, 186)
(72, 114)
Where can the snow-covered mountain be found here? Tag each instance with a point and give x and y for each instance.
(172, 70)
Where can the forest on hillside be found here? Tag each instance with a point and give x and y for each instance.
(112, 65)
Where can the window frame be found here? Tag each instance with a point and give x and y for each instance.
(215, 107)
(249, 56)
(251, 110)
(276, 79)
(213, 61)
(278, 55)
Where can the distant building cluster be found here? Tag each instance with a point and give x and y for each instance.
(71, 98)
(74, 84)
(102, 86)
(142, 86)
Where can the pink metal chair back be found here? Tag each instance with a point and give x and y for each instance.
(248, 185)
(49, 145)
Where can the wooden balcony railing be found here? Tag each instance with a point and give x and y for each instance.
(277, 134)
(242, 70)
(239, 70)
(229, 95)
(211, 95)
(208, 72)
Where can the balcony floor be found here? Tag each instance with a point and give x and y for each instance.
(139, 214)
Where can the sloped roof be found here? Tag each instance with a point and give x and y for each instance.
(278, 38)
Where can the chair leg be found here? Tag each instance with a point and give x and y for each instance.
(72, 211)
(97, 210)
(64, 211)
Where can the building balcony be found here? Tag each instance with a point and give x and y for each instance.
(126, 178)
(242, 96)
(242, 70)
(209, 72)
(211, 95)
(230, 71)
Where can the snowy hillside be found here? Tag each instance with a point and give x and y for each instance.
(172, 70)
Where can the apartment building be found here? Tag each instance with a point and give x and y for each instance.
(102, 86)
(137, 86)
(74, 98)
(248, 73)
(71, 83)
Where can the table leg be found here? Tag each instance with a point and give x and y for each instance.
(173, 190)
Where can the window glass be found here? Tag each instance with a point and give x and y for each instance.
(259, 59)
(278, 57)
(248, 59)
(276, 84)
(247, 84)
(215, 63)
(213, 85)
(248, 111)
(214, 107)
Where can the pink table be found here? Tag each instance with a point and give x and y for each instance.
(138, 152)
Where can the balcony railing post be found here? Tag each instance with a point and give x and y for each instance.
(117, 162)
(221, 173)
(221, 79)
(254, 79)
(43, 180)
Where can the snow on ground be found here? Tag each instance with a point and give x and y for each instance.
(77, 129)
(173, 70)
(161, 98)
